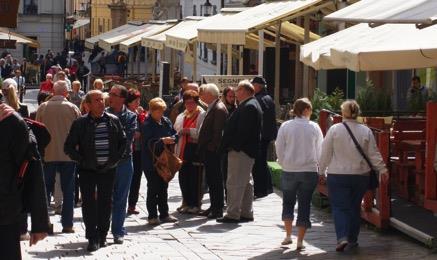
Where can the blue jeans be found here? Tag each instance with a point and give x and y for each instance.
(123, 179)
(345, 195)
(67, 173)
(300, 185)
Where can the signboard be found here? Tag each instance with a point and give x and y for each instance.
(7, 44)
(8, 13)
(223, 81)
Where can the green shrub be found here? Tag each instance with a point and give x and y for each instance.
(373, 100)
(321, 100)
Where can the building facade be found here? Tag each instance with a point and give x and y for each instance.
(42, 20)
(138, 10)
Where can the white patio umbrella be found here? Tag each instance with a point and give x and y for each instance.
(420, 12)
(387, 47)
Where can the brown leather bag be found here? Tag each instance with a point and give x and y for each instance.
(167, 164)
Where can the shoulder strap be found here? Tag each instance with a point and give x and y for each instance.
(357, 145)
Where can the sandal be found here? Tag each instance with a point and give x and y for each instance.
(287, 241)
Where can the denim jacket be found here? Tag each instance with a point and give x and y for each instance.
(128, 120)
(151, 132)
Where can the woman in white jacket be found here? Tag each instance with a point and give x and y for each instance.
(348, 172)
(298, 148)
(187, 125)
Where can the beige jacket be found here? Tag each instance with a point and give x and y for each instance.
(58, 115)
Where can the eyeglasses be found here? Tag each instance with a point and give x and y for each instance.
(114, 95)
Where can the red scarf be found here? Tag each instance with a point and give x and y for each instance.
(190, 121)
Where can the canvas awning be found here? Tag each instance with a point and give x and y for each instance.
(233, 30)
(124, 31)
(132, 31)
(5, 34)
(181, 38)
(362, 48)
(421, 12)
(154, 29)
(158, 41)
(81, 22)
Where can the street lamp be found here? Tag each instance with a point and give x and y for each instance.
(207, 8)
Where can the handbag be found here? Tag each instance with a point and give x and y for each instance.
(167, 164)
(373, 180)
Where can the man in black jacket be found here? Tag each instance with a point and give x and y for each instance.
(241, 139)
(262, 178)
(97, 142)
(14, 150)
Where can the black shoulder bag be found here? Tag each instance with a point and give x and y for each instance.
(373, 180)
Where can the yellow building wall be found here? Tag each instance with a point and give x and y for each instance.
(139, 10)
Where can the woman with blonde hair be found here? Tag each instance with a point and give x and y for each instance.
(9, 91)
(298, 146)
(157, 130)
(98, 84)
(348, 171)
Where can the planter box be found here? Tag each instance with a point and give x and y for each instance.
(276, 171)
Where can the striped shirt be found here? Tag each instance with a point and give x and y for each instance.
(101, 141)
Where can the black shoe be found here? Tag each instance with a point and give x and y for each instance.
(260, 195)
(205, 212)
(244, 219)
(92, 245)
(227, 220)
(118, 240)
(215, 215)
(102, 242)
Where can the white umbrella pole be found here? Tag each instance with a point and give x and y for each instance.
(229, 59)
(219, 59)
(277, 63)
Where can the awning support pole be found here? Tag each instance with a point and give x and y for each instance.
(261, 52)
(306, 87)
(229, 60)
(154, 58)
(277, 64)
(172, 62)
(219, 59)
(241, 60)
(195, 61)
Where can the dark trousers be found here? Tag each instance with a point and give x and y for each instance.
(190, 184)
(96, 210)
(136, 179)
(214, 179)
(262, 178)
(156, 195)
(10, 241)
(346, 191)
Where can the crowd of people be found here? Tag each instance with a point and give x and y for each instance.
(103, 141)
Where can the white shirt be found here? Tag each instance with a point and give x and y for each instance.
(298, 145)
(340, 156)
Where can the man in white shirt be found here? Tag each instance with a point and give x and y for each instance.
(21, 84)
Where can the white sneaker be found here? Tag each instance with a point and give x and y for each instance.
(287, 241)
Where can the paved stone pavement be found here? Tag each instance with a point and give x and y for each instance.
(196, 237)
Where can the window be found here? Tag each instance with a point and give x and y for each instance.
(30, 7)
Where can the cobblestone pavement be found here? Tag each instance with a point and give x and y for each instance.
(196, 237)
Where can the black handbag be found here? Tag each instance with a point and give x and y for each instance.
(373, 180)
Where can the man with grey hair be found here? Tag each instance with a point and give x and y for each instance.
(58, 115)
(210, 136)
(241, 138)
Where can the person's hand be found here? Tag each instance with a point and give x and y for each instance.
(35, 237)
(167, 140)
(322, 179)
(383, 177)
